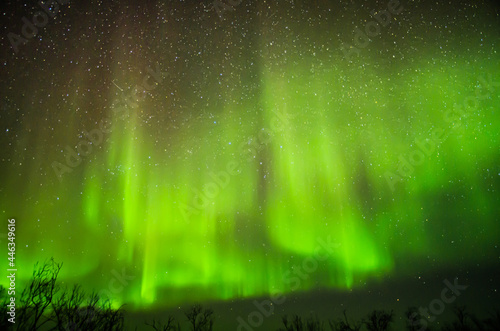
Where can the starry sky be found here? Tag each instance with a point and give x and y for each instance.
(200, 151)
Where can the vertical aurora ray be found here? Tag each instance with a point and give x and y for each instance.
(310, 198)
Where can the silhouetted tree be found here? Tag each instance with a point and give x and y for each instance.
(414, 320)
(287, 325)
(493, 322)
(296, 324)
(344, 325)
(314, 324)
(72, 313)
(200, 319)
(65, 308)
(379, 320)
(43, 305)
(169, 325)
(4, 301)
(38, 296)
(462, 322)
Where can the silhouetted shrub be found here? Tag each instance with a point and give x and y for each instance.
(43, 304)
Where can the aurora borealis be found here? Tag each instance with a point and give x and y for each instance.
(227, 152)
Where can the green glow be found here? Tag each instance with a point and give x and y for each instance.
(311, 149)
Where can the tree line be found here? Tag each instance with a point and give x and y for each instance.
(45, 305)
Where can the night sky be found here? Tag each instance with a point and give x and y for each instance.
(172, 152)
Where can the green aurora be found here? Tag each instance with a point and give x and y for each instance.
(258, 142)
